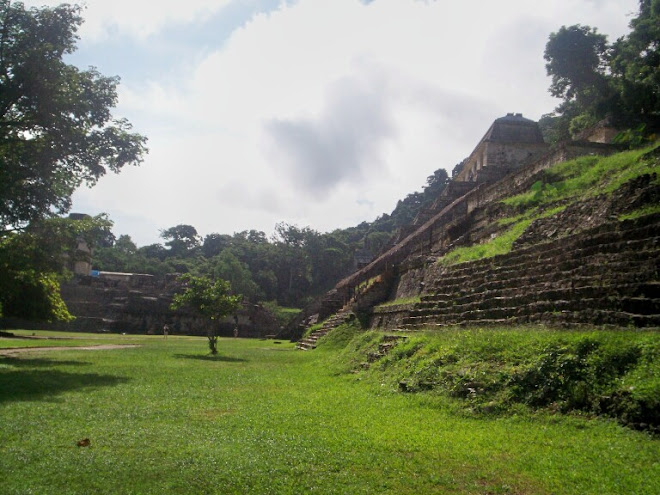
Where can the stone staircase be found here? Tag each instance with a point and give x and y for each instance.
(608, 275)
(343, 316)
(372, 293)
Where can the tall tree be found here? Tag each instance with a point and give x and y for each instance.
(636, 63)
(597, 80)
(181, 239)
(577, 58)
(56, 128)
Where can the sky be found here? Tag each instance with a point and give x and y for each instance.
(319, 113)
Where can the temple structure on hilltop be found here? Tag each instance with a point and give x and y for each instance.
(553, 273)
(511, 142)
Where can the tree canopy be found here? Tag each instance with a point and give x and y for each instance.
(56, 127)
(211, 299)
(597, 80)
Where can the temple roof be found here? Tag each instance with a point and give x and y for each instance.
(514, 128)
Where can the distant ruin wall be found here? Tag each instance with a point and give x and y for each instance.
(136, 303)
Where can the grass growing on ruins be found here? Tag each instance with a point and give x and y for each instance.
(263, 418)
(641, 212)
(564, 183)
(614, 374)
(400, 301)
(586, 177)
(499, 245)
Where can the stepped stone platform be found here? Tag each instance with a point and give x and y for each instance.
(607, 275)
(578, 266)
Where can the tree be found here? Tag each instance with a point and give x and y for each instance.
(56, 129)
(596, 80)
(125, 245)
(33, 261)
(635, 63)
(577, 61)
(209, 299)
(214, 243)
(181, 239)
(227, 267)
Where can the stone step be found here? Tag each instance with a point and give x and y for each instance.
(574, 261)
(612, 234)
(595, 274)
(583, 287)
(544, 290)
(520, 307)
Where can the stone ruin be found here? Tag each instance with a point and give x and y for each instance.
(138, 303)
(583, 267)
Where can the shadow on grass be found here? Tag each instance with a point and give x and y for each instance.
(207, 357)
(22, 382)
(17, 362)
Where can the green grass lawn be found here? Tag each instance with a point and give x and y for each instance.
(264, 418)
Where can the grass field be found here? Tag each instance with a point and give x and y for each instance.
(263, 418)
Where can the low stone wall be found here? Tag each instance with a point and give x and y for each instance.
(390, 316)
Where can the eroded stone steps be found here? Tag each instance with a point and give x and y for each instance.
(644, 309)
(608, 275)
(330, 324)
(612, 237)
(622, 279)
(541, 290)
(561, 262)
(502, 307)
(601, 318)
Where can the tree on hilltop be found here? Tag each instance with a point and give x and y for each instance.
(181, 239)
(596, 79)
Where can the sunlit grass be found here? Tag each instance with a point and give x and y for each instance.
(585, 177)
(400, 301)
(501, 244)
(264, 418)
(563, 184)
(641, 212)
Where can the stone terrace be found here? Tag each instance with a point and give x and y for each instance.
(607, 275)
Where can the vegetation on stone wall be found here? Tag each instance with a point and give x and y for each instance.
(34, 261)
(560, 186)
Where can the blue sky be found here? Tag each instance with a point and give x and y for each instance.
(314, 112)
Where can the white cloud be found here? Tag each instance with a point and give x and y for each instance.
(354, 104)
(136, 18)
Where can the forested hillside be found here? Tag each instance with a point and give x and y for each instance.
(292, 267)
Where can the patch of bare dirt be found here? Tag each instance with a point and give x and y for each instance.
(103, 347)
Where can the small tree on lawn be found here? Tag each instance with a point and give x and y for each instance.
(210, 299)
